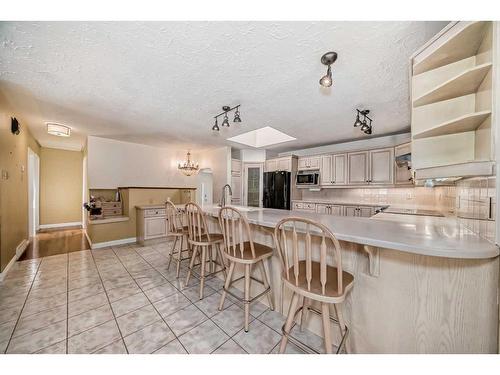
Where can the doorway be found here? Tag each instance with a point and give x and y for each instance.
(252, 186)
(33, 193)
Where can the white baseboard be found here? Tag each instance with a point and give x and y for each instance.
(88, 238)
(61, 225)
(122, 241)
(20, 249)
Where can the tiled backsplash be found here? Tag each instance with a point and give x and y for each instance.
(469, 200)
(421, 197)
(476, 205)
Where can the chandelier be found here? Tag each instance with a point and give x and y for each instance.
(188, 167)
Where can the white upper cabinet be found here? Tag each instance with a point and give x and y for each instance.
(358, 163)
(279, 164)
(235, 166)
(339, 171)
(309, 163)
(333, 171)
(381, 166)
(326, 170)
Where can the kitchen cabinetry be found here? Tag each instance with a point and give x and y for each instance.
(359, 211)
(151, 223)
(302, 206)
(357, 164)
(402, 174)
(381, 166)
(371, 167)
(330, 209)
(333, 171)
(309, 163)
(236, 166)
(279, 164)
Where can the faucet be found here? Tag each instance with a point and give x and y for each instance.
(223, 197)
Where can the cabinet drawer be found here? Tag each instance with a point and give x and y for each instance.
(112, 212)
(110, 205)
(155, 212)
(304, 206)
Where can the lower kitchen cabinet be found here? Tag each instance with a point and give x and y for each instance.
(151, 223)
(359, 211)
(330, 209)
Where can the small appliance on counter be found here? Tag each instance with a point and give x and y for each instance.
(277, 190)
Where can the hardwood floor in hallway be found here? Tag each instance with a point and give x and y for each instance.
(56, 242)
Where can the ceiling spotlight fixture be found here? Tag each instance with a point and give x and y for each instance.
(366, 123)
(225, 121)
(328, 59)
(58, 129)
(237, 116)
(216, 126)
(188, 167)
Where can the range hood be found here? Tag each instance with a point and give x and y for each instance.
(403, 160)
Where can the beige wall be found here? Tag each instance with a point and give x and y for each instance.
(14, 189)
(61, 179)
(131, 198)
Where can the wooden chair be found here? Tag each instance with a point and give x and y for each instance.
(202, 244)
(176, 229)
(309, 275)
(239, 248)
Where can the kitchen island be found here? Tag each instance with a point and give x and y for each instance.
(423, 286)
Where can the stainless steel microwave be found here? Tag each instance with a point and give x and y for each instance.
(307, 178)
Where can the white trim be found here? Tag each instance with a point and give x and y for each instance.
(60, 225)
(122, 241)
(19, 251)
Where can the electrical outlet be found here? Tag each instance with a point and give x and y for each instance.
(5, 174)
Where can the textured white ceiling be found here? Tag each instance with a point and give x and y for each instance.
(161, 83)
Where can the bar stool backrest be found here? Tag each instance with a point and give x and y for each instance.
(197, 225)
(174, 218)
(236, 231)
(286, 237)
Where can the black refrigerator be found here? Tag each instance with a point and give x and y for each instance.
(277, 190)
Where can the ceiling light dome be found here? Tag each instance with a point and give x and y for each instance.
(58, 129)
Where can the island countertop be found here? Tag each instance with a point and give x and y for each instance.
(432, 236)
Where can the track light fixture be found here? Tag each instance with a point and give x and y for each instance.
(328, 59)
(365, 124)
(225, 121)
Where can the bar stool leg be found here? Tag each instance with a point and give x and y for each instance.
(218, 254)
(172, 249)
(325, 315)
(247, 295)
(266, 284)
(340, 317)
(191, 264)
(305, 311)
(227, 284)
(179, 257)
(289, 321)
(203, 267)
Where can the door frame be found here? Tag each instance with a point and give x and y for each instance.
(33, 193)
(245, 181)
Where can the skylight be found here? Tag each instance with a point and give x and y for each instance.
(262, 137)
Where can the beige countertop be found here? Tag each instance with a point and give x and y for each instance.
(150, 206)
(340, 203)
(424, 235)
(107, 220)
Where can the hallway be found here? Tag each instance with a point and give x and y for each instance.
(54, 242)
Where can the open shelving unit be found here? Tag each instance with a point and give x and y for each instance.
(452, 102)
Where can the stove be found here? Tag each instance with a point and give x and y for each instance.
(412, 211)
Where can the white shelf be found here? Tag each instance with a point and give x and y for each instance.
(461, 124)
(465, 83)
(463, 44)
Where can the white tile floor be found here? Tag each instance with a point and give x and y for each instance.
(125, 300)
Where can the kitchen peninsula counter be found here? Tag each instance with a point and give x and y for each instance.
(421, 285)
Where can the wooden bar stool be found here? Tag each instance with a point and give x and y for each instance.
(239, 248)
(176, 229)
(202, 244)
(309, 275)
